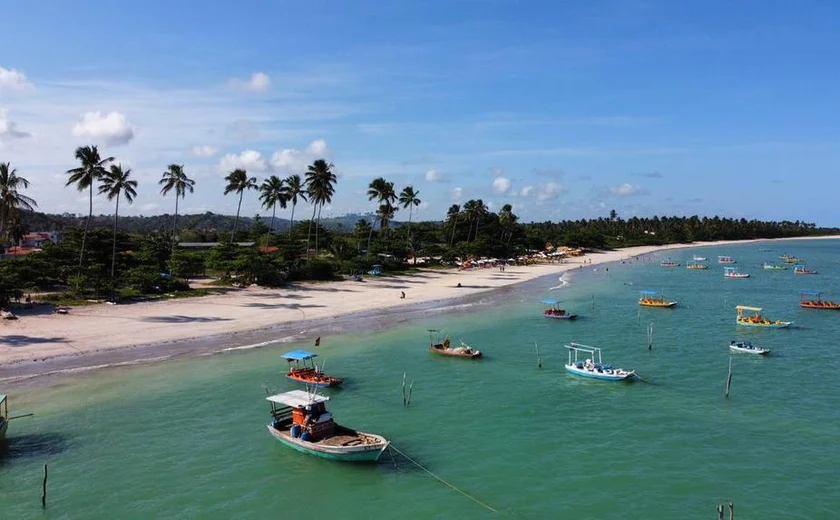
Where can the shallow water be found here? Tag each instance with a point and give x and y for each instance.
(187, 438)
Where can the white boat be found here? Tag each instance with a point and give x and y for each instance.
(726, 260)
(747, 348)
(732, 272)
(593, 367)
(697, 258)
(669, 263)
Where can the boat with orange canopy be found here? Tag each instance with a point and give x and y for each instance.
(813, 300)
(303, 370)
(652, 299)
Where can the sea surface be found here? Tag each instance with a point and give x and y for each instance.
(187, 438)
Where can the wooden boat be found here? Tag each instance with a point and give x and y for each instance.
(697, 258)
(4, 418)
(555, 312)
(650, 299)
(303, 370)
(696, 266)
(747, 348)
(774, 267)
(790, 259)
(756, 319)
(669, 263)
(300, 420)
(726, 260)
(732, 272)
(444, 348)
(813, 300)
(800, 269)
(593, 367)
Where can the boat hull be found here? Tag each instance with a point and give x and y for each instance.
(826, 307)
(561, 317)
(364, 453)
(328, 383)
(664, 305)
(476, 354)
(757, 352)
(600, 376)
(772, 325)
(738, 277)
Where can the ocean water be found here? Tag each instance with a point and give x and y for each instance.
(187, 438)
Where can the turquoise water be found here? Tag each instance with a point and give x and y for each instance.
(187, 438)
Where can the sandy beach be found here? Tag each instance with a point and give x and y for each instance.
(35, 339)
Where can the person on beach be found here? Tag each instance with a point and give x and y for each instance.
(402, 295)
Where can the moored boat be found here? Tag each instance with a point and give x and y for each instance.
(669, 263)
(593, 367)
(651, 299)
(774, 267)
(300, 421)
(555, 312)
(726, 260)
(697, 258)
(444, 348)
(800, 269)
(747, 348)
(302, 369)
(696, 266)
(732, 272)
(813, 300)
(756, 319)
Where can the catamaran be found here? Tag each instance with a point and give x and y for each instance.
(303, 370)
(756, 319)
(593, 367)
(774, 267)
(300, 420)
(800, 269)
(444, 348)
(669, 263)
(555, 312)
(732, 272)
(726, 260)
(813, 300)
(747, 347)
(650, 299)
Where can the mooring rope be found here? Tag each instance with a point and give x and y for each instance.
(447, 484)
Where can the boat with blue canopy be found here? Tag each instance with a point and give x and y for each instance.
(813, 300)
(555, 312)
(593, 367)
(302, 369)
(652, 299)
(801, 269)
(300, 420)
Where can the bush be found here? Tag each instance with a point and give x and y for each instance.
(314, 269)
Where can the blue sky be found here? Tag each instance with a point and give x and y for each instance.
(563, 109)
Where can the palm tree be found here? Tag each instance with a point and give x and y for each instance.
(452, 217)
(409, 199)
(238, 181)
(507, 220)
(84, 177)
(271, 194)
(320, 188)
(383, 192)
(174, 178)
(117, 181)
(291, 191)
(11, 200)
(475, 210)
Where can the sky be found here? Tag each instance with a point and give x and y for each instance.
(564, 109)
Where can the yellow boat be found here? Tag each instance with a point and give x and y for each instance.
(756, 319)
(697, 266)
(650, 299)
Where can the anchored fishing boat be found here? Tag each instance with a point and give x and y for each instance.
(788, 259)
(555, 312)
(4, 418)
(696, 266)
(300, 421)
(697, 258)
(732, 272)
(756, 319)
(302, 369)
(747, 347)
(444, 348)
(651, 299)
(669, 263)
(592, 367)
(813, 300)
(726, 260)
(774, 267)
(800, 269)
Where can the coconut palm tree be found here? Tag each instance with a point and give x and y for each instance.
(383, 192)
(452, 217)
(409, 199)
(239, 182)
(320, 187)
(12, 200)
(272, 193)
(115, 183)
(174, 178)
(93, 168)
(292, 190)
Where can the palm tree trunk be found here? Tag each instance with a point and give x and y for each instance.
(454, 227)
(309, 233)
(370, 235)
(114, 244)
(292, 221)
(175, 222)
(84, 236)
(236, 220)
(273, 211)
(320, 207)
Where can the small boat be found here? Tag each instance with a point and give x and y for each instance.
(790, 259)
(813, 300)
(593, 367)
(774, 267)
(8, 315)
(669, 263)
(555, 312)
(4, 418)
(726, 260)
(756, 319)
(444, 348)
(650, 299)
(800, 269)
(300, 421)
(303, 370)
(696, 266)
(697, 258)
(732, 272)
(747, 348)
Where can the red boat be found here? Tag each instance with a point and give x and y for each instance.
(303, 370)
(800, 269)
(444, 348)
(813, 300)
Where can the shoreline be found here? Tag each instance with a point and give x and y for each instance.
(104, 336)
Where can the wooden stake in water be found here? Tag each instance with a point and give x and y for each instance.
(539, 361)
(403, 389)
(729, 377)
(44, 489)
(731, 511)
(593, 301)
(408, 402)
(720, 512)
(650, 336)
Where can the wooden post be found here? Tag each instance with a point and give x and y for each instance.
(720, 512)
(403, 389)
(408, 402)
(44, 489)
(650, 336)
(731, 511)
(539, 361)
(729, 378)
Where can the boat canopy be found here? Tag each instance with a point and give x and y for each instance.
(552, 302)
(299, 355)
(582, 348)
(747, 308)
(648, 293)
(297, 398)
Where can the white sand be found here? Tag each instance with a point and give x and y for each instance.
(105, 327)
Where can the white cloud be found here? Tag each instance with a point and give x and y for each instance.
(250, 160)
(8, 128)
(527, 191)
(457, 195)
(626, 190)
(291, 160)
(501, 185)
(112, 128)
(435, 176)
(203, 151)
(258, 82)
(11, 79)
(549, 191)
